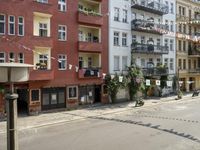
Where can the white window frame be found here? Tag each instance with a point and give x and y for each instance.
(76, 96)
(3, 59)
(124, 63)
(62, 29)
(42, 27)
(4, 22)
(114, 38)
(21, 60)
(125, 16)
(116, 68)
(21, 24)
(62, 59)
(116, 14)
(11, 59)
(62, 6)
(43, 59)
(171, 44)
(171, 64)
(124, 39)
(9, 23)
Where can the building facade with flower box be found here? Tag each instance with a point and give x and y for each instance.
(66, 42)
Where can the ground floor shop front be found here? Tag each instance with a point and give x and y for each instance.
(189, 83)
(33, 100)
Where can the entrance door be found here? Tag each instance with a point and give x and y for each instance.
(53, 98)
(22, 101)
(97, 94)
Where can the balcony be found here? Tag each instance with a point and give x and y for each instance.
(86, 73)
(150, 6)
(91, 18)
(194, 52)
(41, 75)
(40, 41)
(194, 71)
(155, 71)
(85, 46)
(149, 49)
(42, 7)
(148, 27)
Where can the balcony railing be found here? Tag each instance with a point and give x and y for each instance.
(41, 74)
(90, 17)
(155, 71)
(149, 49)
(90, 46)
(148, 27)
(41, 41)
(197, 70)
(90, 73)
(194, 51)
(150, 6)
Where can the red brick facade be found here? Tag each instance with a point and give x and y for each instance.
(54, 78)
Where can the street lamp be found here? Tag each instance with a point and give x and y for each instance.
(11, 73)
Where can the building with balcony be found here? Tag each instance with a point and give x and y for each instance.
(66, 42)
(153, 37)
(188, 59)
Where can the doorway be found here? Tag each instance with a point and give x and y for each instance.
(97, 98)
(22, 101)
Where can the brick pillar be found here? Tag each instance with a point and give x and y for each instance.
(2, 104)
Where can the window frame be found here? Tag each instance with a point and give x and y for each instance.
(75, 97)
(21, 24)
(21, 59)
(9, 57)
(3, 59)
(61, 32)
(116, 14)
(43, 28)
(118, 64)
(62, 58)
(61, 4)
(124, 39)
(4, 22)
(9, 23)
(115, 38)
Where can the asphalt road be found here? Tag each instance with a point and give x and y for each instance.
(170, 126)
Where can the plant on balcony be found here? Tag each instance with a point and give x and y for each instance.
(135, 81)
(88, 11)
(113, 86)
(41, 66)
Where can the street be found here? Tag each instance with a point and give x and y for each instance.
(166, 126)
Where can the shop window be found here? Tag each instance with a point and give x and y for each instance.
(72, 92)
(35, 95)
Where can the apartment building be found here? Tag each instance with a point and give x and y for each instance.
(66, 40)
(119, 39)
(188, 32)
(153, 36)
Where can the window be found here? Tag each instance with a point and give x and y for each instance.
(195, 64)
(2, 24)
(171, 65)
(89, 62)
(184, 46)
(124, 62)
(43, 59)
(124, 39)
(11, 26)
(172, 8)
(42, 1)
(81, 62)
(116, 14)
(62, 33)
(116, 38)
(180, 28)
(158, 43)
(143, 63)
(134, 38)
(166, 25)
(21, 58)
(20, 26)
(116, 63)
(172, 26)
(166, 42)
(62, 62)
(2, 57)
(171, 44)
(11, 57)
(125, 15)
(72, 92)
(180, 45)
(184, 63)
(62, 5)
(35, 95)
(158, 62)
(184, 28)
(180, 64)
(166, 62)
(189, 64)
(43, 29)
(142, 40)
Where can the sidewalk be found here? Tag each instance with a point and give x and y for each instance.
(46, 119)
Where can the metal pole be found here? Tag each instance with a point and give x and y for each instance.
(11, 110)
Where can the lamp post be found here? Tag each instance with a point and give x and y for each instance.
(11, 73)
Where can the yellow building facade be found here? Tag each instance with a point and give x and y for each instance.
(188, 44)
